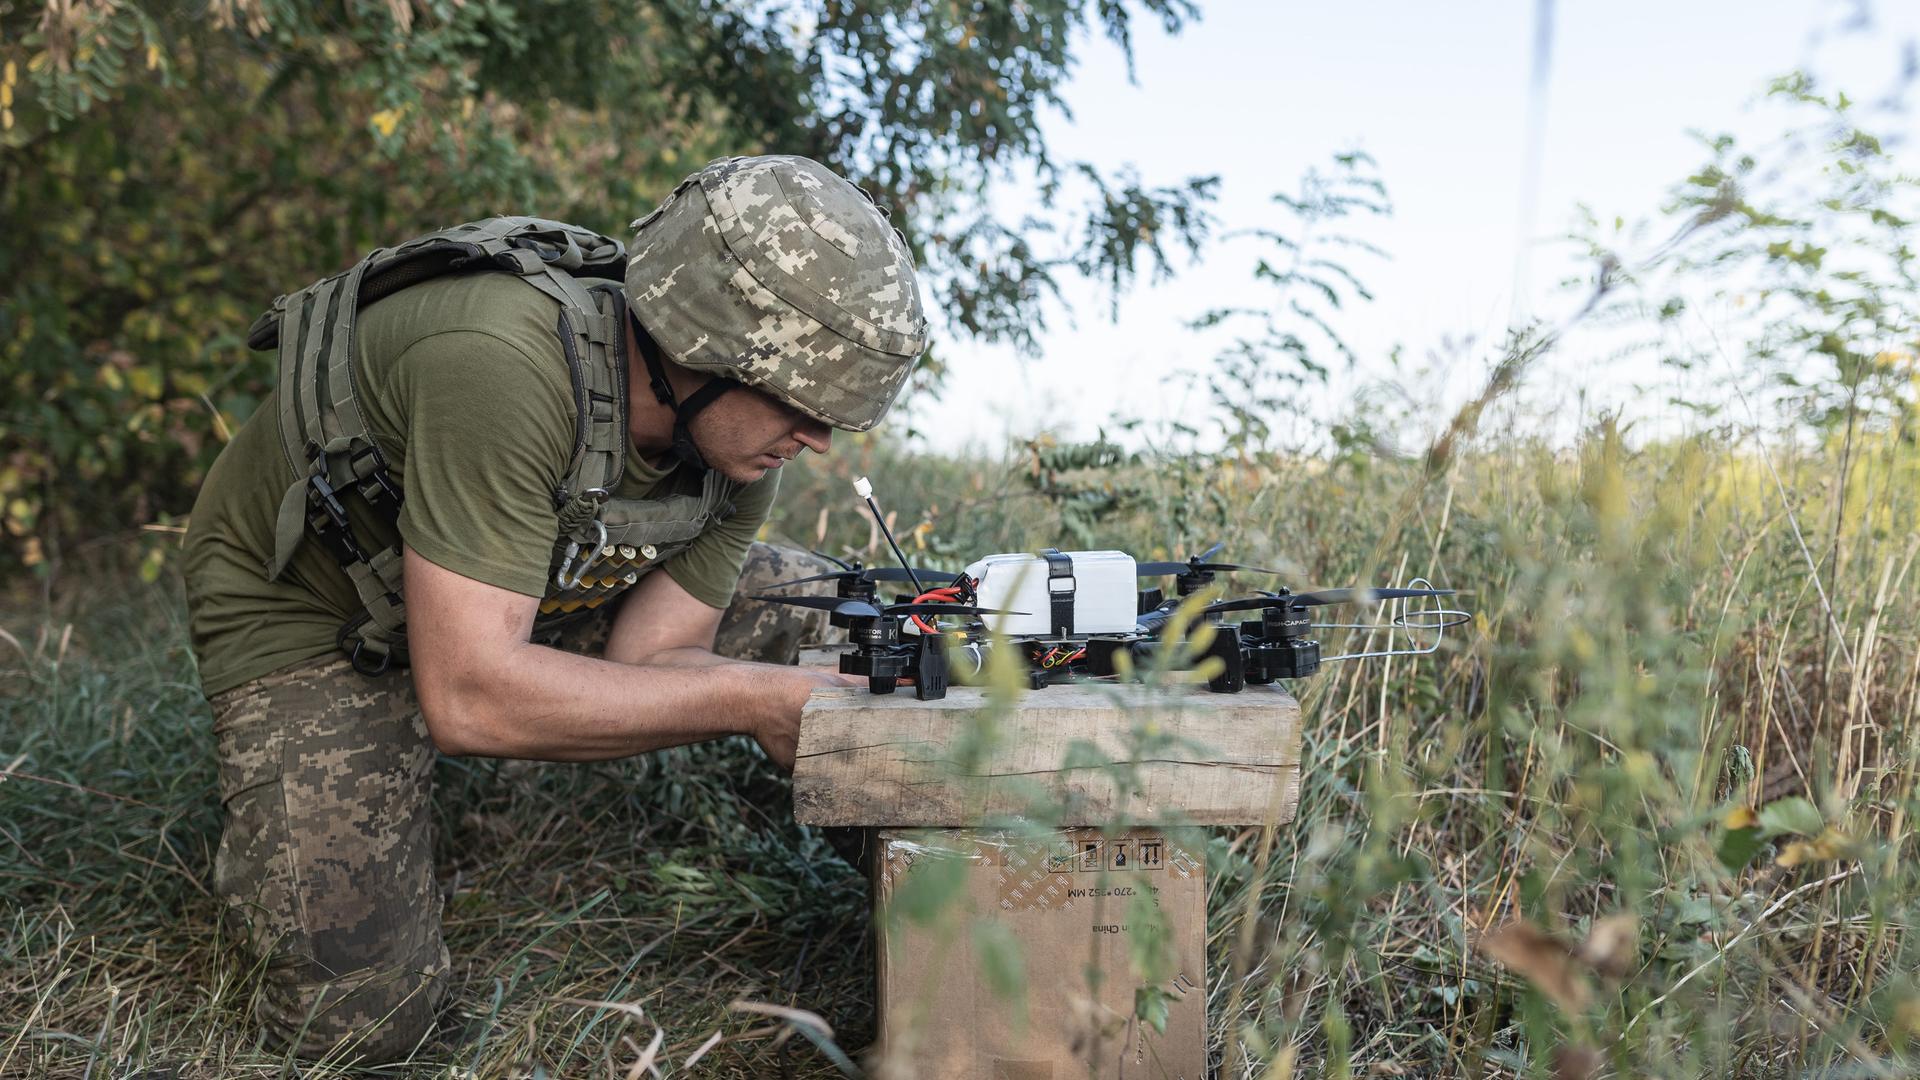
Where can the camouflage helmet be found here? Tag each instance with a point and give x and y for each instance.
(779, 273)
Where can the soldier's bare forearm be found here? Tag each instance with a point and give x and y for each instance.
(484, 689)
(686, 656)
(691, 656)
(545, 704)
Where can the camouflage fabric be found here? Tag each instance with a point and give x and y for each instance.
(749, 629)
(773, 633)
(326, 856)
(777, 272)
(326, 859)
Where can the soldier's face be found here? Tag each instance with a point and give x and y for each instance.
(746, 433)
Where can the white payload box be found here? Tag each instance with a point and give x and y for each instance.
(1063, 593)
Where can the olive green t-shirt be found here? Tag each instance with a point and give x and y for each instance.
(466, 391)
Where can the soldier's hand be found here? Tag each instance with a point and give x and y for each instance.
(779, 732)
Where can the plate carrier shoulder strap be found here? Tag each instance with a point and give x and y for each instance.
(324, 433)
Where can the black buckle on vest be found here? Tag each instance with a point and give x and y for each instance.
(327, 520)
(378, 488)
(356, 655)
(1060, 589)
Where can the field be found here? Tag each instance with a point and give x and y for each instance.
(1648, 815)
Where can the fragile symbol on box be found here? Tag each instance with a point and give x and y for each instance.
(1122, 857)
(1184, 863)
(1152, 852)
(1089, 855)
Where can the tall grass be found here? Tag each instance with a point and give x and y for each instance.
(1650, 816)
(675, 882)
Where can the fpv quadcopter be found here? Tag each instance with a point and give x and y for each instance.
(1070, 615)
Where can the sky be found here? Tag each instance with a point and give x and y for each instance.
(1438, 94)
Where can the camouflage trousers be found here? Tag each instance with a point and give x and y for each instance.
(326, 855)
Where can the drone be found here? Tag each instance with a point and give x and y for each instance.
(1072, 616)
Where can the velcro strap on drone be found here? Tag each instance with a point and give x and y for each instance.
(1060, 589)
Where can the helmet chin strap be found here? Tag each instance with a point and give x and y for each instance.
(683, 447)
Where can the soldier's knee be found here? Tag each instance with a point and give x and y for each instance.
(368, 1017)
(773, 633)
(314, 763)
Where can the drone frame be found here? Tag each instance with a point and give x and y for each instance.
(1259, 651)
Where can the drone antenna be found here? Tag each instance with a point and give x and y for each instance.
(863, 487)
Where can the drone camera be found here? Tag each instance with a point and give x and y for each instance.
(930, 673)
(1226, 647)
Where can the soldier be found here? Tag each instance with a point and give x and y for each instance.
(460, 417)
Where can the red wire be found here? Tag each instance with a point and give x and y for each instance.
(1057, 656)
(948, 595)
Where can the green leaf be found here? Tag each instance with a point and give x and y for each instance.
(1795, 815)
(1150, 1005)
(1738, 846)
(1149, 939)
(1683, 910)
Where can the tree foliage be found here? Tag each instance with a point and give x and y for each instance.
(168, 168)
(1808, 240)
(1286, 345)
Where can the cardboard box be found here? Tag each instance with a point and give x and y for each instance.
(1081, 913)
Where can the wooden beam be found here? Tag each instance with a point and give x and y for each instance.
(1098, 752)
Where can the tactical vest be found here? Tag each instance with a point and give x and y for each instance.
(604, 544)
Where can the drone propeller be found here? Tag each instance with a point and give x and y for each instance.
(1198, 564)
(860, 609)
(1163, 569)
(871, 573)
(1317, 599)
(1356, 596)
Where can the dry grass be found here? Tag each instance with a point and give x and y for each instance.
(1650, 658)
